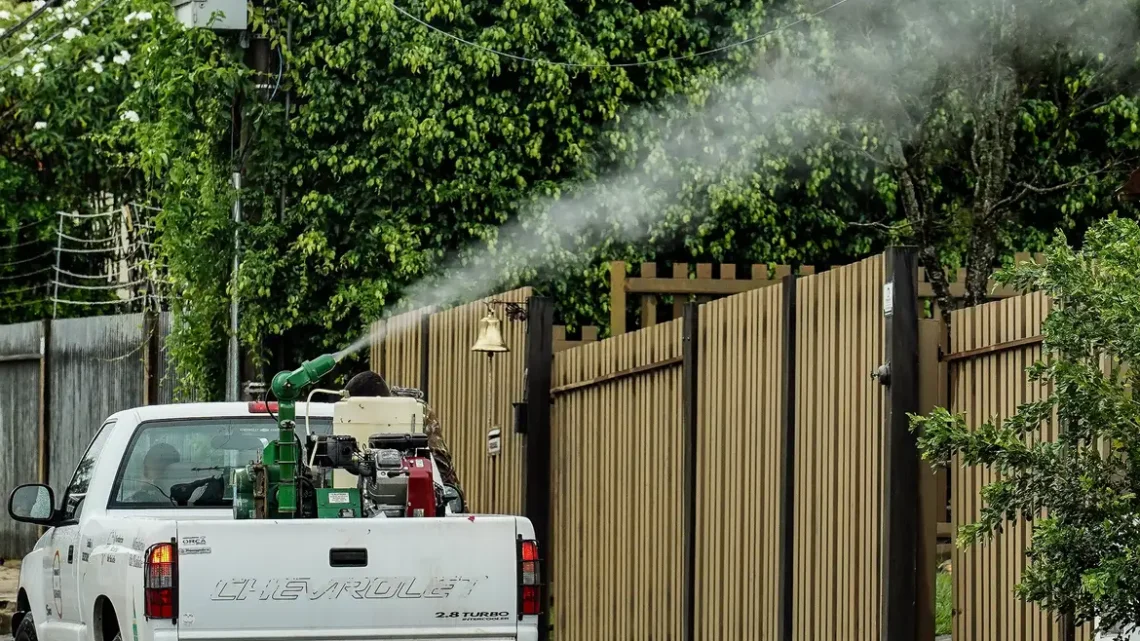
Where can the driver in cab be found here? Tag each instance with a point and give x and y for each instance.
(157, 486)
(157, 460)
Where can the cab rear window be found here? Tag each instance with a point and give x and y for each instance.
(189, 463)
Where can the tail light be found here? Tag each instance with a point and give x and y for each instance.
(160, 581)
(261, 407)
(530, 579)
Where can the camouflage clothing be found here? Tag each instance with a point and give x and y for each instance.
(434, 432)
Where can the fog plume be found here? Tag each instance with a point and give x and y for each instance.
(874, 61)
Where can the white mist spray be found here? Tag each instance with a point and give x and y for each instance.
(868, 73)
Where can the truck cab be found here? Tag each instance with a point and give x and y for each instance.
(130, 555)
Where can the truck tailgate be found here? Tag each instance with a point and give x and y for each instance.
(406, 578)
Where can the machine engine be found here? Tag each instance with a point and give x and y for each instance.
(393, 474)
(395, 477)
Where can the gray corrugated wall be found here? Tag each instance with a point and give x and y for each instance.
(96, 369)
(19, 428)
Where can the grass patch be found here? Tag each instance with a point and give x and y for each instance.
(943, 602)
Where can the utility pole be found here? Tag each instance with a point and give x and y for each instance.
(233, 369)
(226, 16)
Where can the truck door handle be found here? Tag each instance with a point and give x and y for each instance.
(348, 557)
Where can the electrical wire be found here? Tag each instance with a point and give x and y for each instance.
(26, 21)
(28, 260)
(42, 270)
(40, 43)
(27, 243)
(86, 303)
(30, 225)
(97, 250)
(31, 288)
(110, 239)
(72, 214)
(60, 270)
(643, 63)
(98, 287)
(23, 303)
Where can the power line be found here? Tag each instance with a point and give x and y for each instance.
(96, 302)
(28, 260)
(26, 21)
(643, 63)
(40, 43)
(42, 270)
(72, 214)
(30, 225)
(98, 287)
(27, 243)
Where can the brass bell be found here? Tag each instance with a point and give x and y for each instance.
(490, 339)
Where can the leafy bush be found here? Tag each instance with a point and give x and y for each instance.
(1081, 490)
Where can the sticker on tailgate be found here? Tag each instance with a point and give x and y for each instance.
(474, 616)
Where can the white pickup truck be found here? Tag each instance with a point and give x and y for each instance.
(116, 563)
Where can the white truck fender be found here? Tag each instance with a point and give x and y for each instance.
(35, 565)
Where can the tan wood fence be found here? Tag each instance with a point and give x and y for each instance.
(738, 473)
(839, 454)
(470, 393)
(990, 347)
(740, 466)
(617, 497)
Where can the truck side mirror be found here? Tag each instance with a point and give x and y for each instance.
(454, 499)
(32, 503)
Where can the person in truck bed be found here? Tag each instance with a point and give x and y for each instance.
(370, 383)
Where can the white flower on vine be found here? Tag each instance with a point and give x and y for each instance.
(143, 16)
(36, 4)
(130, 16)
(96, 66)
(27, 35)
(90, 89)
(71, 4)
(40, 125)
(101, 59)
(18, 71)
(85, 22)
(122, 58)
(4, 15)
(130, 116)
(46, 48)
(71, 34)
(38, 68)
(138, 84)
(3, 31)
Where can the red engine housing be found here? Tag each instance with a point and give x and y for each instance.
(421, 486)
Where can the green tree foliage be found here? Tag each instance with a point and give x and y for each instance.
(1080, 491)
(407, 158)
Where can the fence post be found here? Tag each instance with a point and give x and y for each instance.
(536, 488)
(150, 364)
(900, 455)
(617, 297)
(425, 352)
(690, 368)
(788, 483)
(45, 403)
